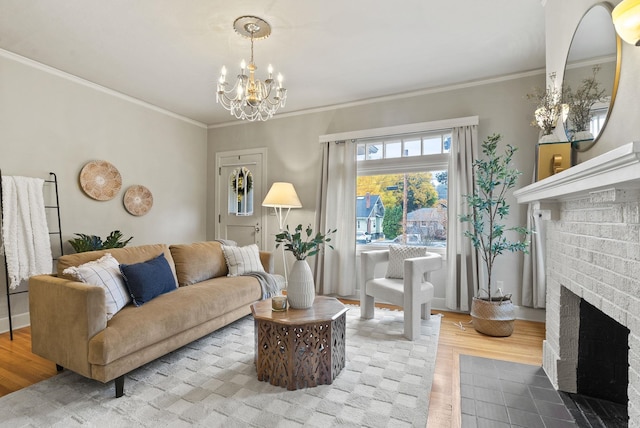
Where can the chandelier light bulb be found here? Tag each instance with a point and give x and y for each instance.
(250, 98)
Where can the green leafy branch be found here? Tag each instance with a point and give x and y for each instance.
(92, 242)
(303, 246)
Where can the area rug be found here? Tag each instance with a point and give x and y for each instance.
(212, 382)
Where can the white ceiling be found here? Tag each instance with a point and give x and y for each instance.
(169, 52)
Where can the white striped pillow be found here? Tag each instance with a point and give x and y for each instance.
(242, 260)
(104, 272)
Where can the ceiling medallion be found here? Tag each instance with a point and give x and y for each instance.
(250, 98)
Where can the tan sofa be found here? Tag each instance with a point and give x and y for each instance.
(69, 326)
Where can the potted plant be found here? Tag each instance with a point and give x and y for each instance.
(548, 109)
(493, 313)
(580, 102)
(300, 289)
(85, 242)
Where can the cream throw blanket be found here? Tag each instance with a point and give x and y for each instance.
(25, 235)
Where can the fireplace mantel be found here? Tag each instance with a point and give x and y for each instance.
(618, 169)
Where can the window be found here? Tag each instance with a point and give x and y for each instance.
(402, 189)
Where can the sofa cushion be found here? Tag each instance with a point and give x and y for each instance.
(397, 254)
(242, 260)
(148, 279)
(135, 328)
(104, 272)
(128, 255)
(198, 262)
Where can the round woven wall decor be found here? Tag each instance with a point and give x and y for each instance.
(100, 180)
(138, 200)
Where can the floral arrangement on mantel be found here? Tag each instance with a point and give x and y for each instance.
(548, 107)
(580, 102)
(303, 246)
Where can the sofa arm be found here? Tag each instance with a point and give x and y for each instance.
(267, 260)
(65, 315)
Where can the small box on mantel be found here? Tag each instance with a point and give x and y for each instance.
(552, 158)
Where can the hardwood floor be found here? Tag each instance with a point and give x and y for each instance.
(457, 337)
(20, 368)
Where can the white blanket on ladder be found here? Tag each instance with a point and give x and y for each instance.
(25, 234)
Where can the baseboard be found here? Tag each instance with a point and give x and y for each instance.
(19, 321)
(522, 312)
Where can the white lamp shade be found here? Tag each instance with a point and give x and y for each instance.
(626, 18)
(282, 195)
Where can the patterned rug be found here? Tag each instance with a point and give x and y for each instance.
(212, 382)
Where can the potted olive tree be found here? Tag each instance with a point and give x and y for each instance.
(300, 289)
(492, 312)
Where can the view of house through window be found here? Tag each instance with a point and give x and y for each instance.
(402, 190)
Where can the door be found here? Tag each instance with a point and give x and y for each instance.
(241, 187)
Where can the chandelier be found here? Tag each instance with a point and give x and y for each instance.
(250, 98)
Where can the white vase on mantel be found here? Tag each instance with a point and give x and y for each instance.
(300, 290)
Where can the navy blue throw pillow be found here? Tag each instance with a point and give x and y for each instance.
(148, 279)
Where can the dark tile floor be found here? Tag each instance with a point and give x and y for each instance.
(497, 394)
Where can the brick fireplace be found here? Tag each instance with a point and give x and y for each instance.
(593, 256)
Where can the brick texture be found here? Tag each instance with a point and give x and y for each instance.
(593, 252)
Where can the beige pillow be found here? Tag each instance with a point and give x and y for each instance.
(198, 262)
(242, 260)
(397, 255)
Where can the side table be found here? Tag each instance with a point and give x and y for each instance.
(300, 348)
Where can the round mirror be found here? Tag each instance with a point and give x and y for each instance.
(590, 79)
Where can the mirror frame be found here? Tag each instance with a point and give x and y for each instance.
(609, 8)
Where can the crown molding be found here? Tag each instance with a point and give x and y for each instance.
(404, 95)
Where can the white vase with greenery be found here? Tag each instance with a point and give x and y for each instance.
(548, 110)
(301, 289)
(492, 311)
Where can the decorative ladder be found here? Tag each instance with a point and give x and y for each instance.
(53, 180)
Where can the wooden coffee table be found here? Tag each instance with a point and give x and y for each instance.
(300, 348)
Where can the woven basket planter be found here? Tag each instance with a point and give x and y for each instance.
(493, 318)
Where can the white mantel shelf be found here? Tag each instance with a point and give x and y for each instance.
(618, 169)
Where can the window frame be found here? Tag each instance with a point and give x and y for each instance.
(399, 165)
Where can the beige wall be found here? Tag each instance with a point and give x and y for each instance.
(53, 123)
(294, 153)
(562, 18)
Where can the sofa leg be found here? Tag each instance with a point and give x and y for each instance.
(59, 368)
(119, 386)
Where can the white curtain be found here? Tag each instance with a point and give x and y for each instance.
(335, 270)
(534, 281)
(462, 258)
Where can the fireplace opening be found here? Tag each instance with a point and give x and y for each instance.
(602, 374)
(603, 356)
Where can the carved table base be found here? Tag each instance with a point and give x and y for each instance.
(295, 350)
